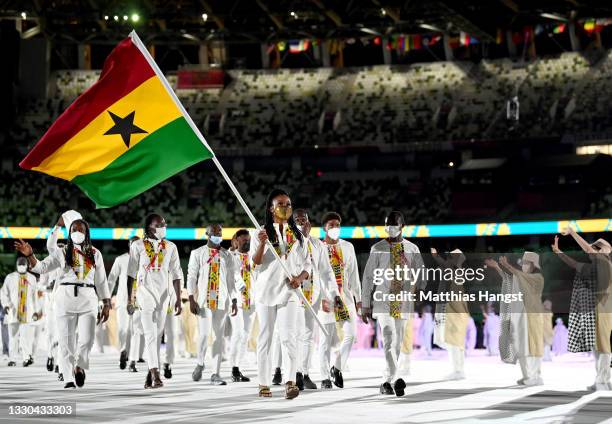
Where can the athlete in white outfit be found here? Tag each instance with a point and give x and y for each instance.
(155, 262)
(275, 299)
(82, 283)
(210, 284)
(117, 282)
(22, 309)
(243, 320)
(346, 292)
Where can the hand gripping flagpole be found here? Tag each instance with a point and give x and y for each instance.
(136, 40)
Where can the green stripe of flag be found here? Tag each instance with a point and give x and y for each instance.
(162, 154)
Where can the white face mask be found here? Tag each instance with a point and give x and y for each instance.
(160, 233)
(22, 269)
(215, 239)
(301, 228)
(77, 237)
(333, 233)
(393, 230)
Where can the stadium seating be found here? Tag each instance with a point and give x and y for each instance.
(378, 104)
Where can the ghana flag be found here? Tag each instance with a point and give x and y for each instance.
(125, 134)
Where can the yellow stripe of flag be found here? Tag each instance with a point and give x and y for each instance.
(91, 151)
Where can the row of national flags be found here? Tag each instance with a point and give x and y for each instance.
(404, 43)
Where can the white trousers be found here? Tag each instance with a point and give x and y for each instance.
(171, 337)
(75, 335)
(349, 329)
(392, 331)
(241, 327)
(50, 330)
(285, 315)
(211, 319)
(21, 336)
(51, 333)
(456, 356)
(531, 366)
(136, 338)
(124, 328)
(277, 358)
(602, 367)
(305, 328)
(100, 337)
(152, 322)
(36, 336)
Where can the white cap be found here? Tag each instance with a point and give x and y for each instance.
(461, 256)
(69, 217)
(532, 257)
(603, 245)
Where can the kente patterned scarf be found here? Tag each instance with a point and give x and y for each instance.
(214, 263)
(81, 264)
(307, 285)
(22, 314)
(156, 257)
(337, 264)
(397, 259)
(245, 272)
(290, 239)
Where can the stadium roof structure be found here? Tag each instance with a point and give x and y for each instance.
(191, 21)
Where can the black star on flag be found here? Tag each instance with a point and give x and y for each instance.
(125, 127)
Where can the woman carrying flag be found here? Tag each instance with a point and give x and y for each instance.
(81, 283)
(275, 298)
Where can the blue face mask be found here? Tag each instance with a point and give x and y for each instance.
(215, 239)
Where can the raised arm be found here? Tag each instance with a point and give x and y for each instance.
(49, 264)
(584, 245)
(503, 261)
(568, 260)
(492, 263)
(444, 263)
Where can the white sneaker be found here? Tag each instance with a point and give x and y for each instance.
(520, 382)
(455, 376)
(533, 382)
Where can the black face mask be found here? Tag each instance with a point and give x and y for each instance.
(245, 247)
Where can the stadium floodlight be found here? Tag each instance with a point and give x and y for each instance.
(125, 17)
(369, 31)
(106, 17)
(293, 14)
(135, 17)
(116, 18)
(204, 17)
(430, 27)
(24, 15)
(553, 16)
(451, 164)
(383, 11)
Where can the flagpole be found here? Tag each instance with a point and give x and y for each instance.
(138, 42)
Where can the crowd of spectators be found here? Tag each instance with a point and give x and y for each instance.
(375, 105)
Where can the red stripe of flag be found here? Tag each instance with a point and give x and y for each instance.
(124, 70)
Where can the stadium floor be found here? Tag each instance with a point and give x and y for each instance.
(488, 395)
